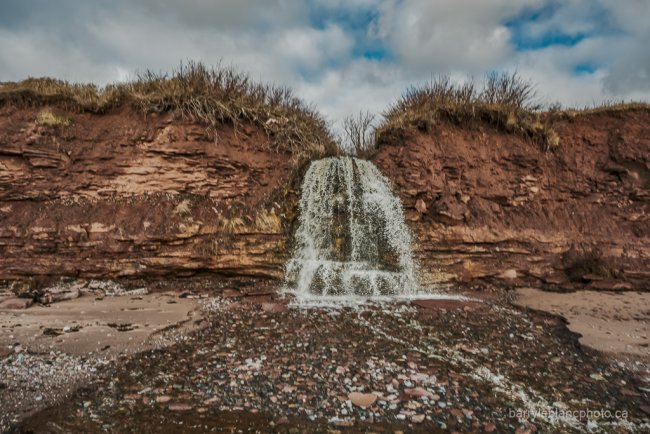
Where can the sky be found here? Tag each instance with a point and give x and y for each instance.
(344, 56)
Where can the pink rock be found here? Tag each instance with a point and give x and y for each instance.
(273, 307)
(16, 303)
(417, 418)
(508, 274)
(230, 293)
(180, 407)
(418, 392)
(363, 400)
(421, 206)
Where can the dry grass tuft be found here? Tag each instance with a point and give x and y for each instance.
(232, 225)
(268, 221)
(213, 96)
(47, 118)
(504, 100)
(605, 107)
(183, 207)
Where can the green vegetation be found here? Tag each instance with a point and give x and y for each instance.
(214, 96)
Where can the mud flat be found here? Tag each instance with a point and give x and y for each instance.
(617, 323)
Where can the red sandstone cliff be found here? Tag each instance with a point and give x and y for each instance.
(127, 195)
(124, 194)
(492, 206)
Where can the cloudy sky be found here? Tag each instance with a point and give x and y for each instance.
(342, 55)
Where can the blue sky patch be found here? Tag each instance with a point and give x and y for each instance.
(585, 69)
(355, 22)
(597, 19)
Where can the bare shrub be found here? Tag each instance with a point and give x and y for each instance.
(509, 90)
(359, 133)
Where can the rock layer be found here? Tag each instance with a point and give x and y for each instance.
(492, 206)
(127, 195)
(124, 195)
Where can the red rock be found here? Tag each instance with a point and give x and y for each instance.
(457, 413)
(163, 398)
(468, 413)
(16, 303)
(180, 406)
(344, 423)
(489, 427)
(418, 392)
(421, 206)
(273, 307)
(645, 409)
(363, 400)
(230, 293)
(628, 392)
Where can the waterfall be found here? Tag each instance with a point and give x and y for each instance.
(351, 239)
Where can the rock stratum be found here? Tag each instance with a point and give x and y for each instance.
(488, 206)
(124, 195)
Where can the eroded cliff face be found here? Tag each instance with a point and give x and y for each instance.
(127, 195)
(124, 195)
(492, 207)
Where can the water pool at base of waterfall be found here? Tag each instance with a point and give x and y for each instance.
(342, 301)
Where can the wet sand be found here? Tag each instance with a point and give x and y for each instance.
(46, 352)
(617, 323)
(86, 325)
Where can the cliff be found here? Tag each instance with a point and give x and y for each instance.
(135, 195)
(131, 195)
(490, 206)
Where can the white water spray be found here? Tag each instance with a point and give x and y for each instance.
(352, 239)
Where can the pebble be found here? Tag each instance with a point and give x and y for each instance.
(180, 407)
(363, 400)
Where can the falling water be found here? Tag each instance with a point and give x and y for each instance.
(352, 239)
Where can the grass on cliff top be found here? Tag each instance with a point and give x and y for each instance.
(605, 107)
(504, 100)
(213, 96)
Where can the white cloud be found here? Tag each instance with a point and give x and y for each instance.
(283, 42)
(450, 35)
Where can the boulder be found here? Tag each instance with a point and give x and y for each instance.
(16, 303)
(508, 274)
